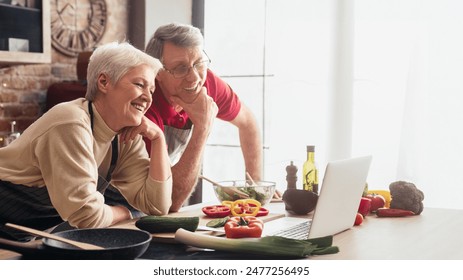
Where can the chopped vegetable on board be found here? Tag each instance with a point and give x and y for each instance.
(240, 227)
(216, 211)
(245, 207)
(216, 223)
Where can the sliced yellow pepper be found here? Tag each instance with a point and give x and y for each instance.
(227, 203)
(245, 207)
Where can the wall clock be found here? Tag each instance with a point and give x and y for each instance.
(77, 26)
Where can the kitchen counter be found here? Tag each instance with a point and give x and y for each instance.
(433, 235)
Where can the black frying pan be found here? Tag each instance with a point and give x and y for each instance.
(118, 243)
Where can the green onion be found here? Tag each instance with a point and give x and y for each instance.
(269, 246)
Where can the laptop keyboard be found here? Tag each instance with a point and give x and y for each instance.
(298, 231)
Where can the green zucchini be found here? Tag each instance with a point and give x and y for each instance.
(160, 224)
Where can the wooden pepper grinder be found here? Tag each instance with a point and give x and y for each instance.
(291, 176)
(296, 200)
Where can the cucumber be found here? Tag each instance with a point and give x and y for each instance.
(216, 223)
(160, 224)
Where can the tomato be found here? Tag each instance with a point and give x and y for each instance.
(358, 219)
(377, 201)
(241, 227)
(365, 206)
(216, 211)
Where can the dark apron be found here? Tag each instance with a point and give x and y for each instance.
(32, 207)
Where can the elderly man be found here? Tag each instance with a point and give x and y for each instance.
(187, 99)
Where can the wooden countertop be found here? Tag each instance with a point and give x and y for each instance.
(433, 235)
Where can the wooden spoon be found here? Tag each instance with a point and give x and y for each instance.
(80, 245)
(210, 181)
(250, 179)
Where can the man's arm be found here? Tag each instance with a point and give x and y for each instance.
(250, 140)
(185, 172)
(202, 112)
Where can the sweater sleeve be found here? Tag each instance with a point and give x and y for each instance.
(131, 178)
(65, 157)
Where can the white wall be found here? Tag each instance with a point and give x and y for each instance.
(159, 12)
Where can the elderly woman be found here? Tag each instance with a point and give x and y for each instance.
(59, 168)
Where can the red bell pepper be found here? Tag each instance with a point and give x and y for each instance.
(262, 212)
(364, 206)
(216, 211)
(393, 212)
(241, 227)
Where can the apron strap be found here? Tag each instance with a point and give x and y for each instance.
(114, 155)
(114, 146)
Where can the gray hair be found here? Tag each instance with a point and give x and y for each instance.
(115, 60)
(181, 35)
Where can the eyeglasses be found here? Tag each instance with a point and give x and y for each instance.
(182, 71)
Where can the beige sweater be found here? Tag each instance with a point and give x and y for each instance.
(60, 151)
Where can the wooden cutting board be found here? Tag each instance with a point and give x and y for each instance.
(203, 219)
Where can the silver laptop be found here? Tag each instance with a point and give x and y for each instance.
(337, 206)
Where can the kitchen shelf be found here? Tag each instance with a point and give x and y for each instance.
(31, 24)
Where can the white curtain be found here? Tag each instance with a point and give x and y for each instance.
(405, 91)
(408, 95)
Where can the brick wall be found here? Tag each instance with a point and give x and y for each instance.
(23, 88)
(22, 94)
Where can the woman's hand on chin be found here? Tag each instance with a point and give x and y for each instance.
(146, 128)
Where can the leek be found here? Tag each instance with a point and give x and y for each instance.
(275, 246)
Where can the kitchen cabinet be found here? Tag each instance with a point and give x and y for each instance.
(25, 33)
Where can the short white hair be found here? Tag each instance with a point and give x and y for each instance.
(115, 60)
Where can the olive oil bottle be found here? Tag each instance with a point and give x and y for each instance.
(310, 172)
